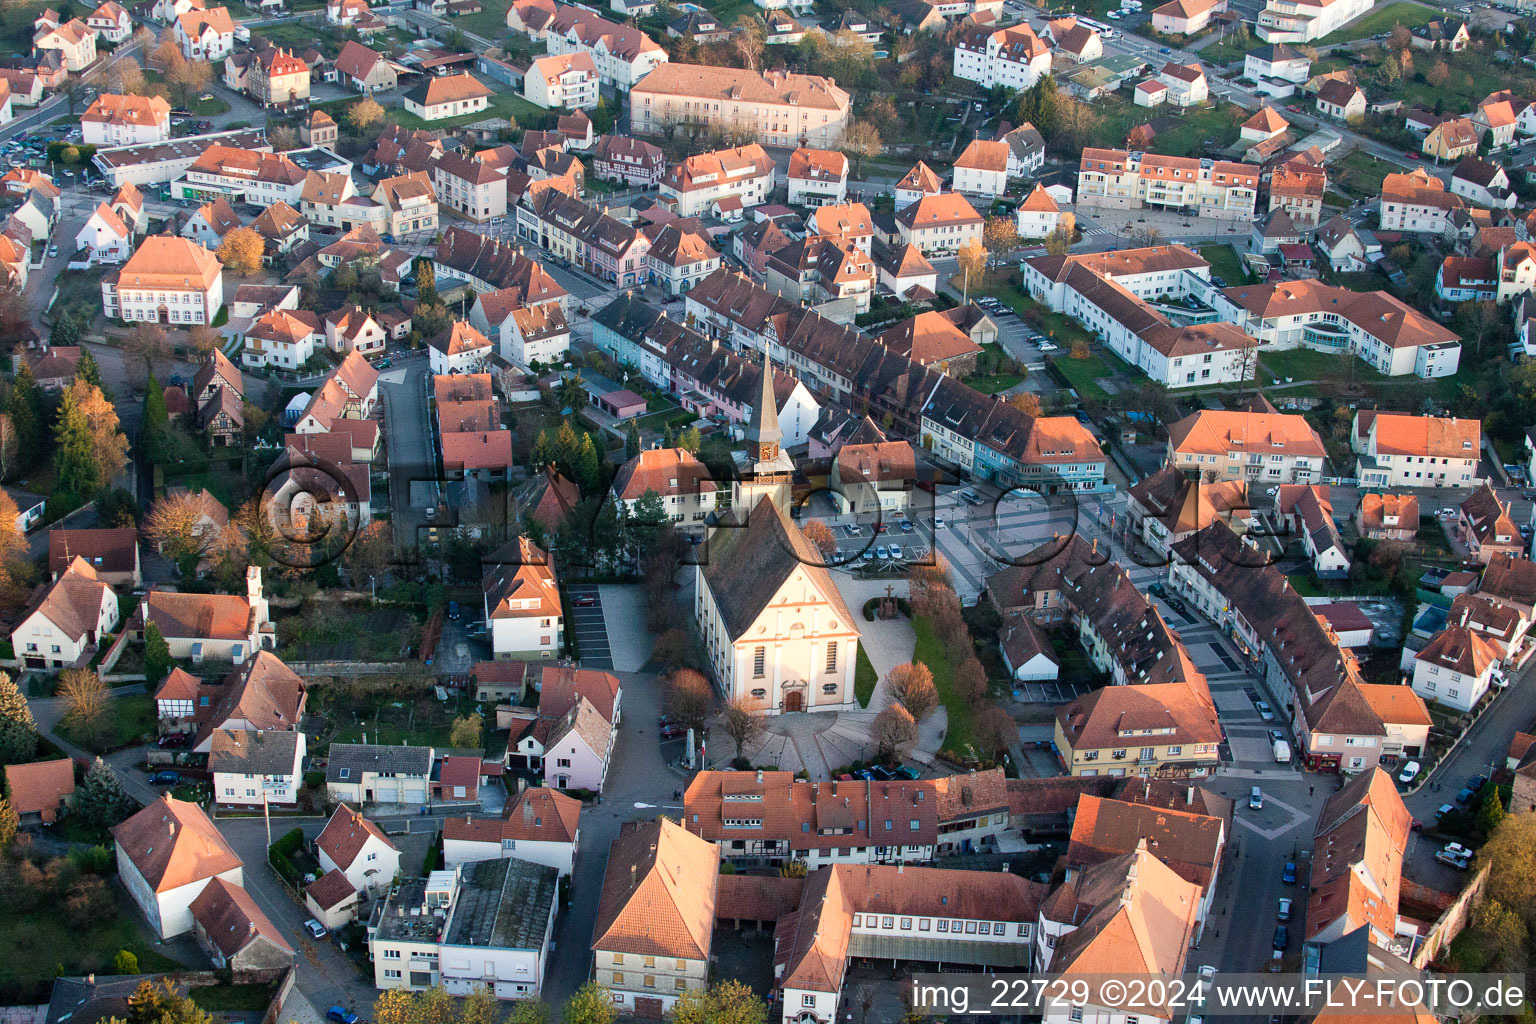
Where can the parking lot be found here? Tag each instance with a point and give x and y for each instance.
(588, 627)
(1017, 338)
(1049, 691)
(886, 545)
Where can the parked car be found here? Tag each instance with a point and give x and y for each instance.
(315, 928)
(1282, 936)
(585, 601)
(175, 739)
(896, 552)
(674, 731)
(1156, 589)
(1284, 911)
(938, 522)
(1444, 809)
(1457, 850)
(881, 773)
(882, 552)
(165, 778)
(1458, 861)
(909, 773)
(1288, 873)
(1409, 773)
(341, 1015)
(906, 526)
(1265, 711)
(453, 611)
(1046, 346)
(851, 529)
(865, 774)
(1176, 604)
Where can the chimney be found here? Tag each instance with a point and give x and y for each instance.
(1189, 794)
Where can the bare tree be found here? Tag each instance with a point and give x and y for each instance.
(999, 236)
(821, 537)
(893, 729)
(971, 680)
(85, 698)
(860, 140)
(742, 724)
(203, 339)
(689, 697)
(911, 686)
(147, 346)
(175, 525)
(995, 729)
(972, 259)
(749, 40)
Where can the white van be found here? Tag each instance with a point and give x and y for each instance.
(1282, 752)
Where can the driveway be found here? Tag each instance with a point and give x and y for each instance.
(413, 477)
(628, 640)
(585, 623)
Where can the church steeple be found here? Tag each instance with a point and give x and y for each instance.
(763, 425)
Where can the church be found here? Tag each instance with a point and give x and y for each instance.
(776, 630)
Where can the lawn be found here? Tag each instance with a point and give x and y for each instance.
(129, 718)
(1199, 131)
(1228, 51)
(864, 678)
(1307, 364)
(991, 385)
(1382, 19)
(1056, 326)
(1225, 263)
(490, 22)
(1360, 174)
(503, 104)
(1467, 84)
(727, 10)
(233, 998)
(42, 943)
(348, 632)
(930, 651)
(1084, 374)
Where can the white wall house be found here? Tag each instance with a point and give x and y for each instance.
(1456, 667)
(166, 855)
(359, 849)
(256, 767)
(542, 826)
(67, 620)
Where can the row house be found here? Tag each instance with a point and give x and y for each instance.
(717, 383)
(770, 819)
(634, 162)
(241, 175)
(1259, 446)
(473, 188)
(1117, 179)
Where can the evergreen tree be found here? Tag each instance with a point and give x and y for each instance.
(690, 440)
(632, 441)
(426, 280)
(154, 433)
(10, 823)
(101, 799)
(89, 370)
(75, 457)
(18, 730)
(588, 469)
(26, 409)
(66, 331)
(567, 450)
(669, 437)
(157, 654)
(543, 450)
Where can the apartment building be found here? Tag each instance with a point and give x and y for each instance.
(568, 81)
(622, 54)
(410, 203)
(473, 188)
(205, 35)
(777, 108)
(1014, 58)
(277, 77)
(1395, 450)
(939, 224)
(1301, 21)
(1387, 334)
(167, 280)
(74, 41)
(1122, 180)
(723, 182)
(242, 175)
(817, 177)
(125, 120)
(1110, 292)
(1262, 447)
(1417, 201)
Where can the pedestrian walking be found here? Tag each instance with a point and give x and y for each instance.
(1310, 789)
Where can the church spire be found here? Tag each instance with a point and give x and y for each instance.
(763, 425)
